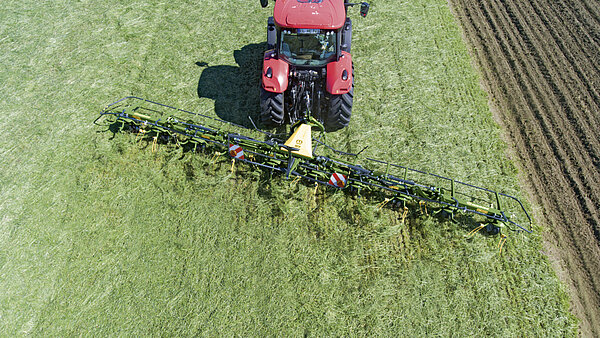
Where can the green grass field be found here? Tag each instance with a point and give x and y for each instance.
(101, 236)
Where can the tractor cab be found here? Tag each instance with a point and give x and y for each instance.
(308, 47)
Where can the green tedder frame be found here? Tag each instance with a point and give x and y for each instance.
(395, 184)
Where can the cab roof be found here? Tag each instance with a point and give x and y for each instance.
(313, 14)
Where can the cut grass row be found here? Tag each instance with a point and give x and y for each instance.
(101, 236)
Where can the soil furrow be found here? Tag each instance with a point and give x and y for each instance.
(535, 108)
(584, 179)
(538, 68)
(578, 195)
(572, 73)
(581, 33)
(585, 176)
(591, 10)
(541, 91)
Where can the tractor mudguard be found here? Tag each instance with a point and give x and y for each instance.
(275, 73)
(339, 75)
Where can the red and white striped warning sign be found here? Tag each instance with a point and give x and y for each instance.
(338, 180)
(236, 151)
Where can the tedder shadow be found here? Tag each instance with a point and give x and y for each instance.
(235, 89)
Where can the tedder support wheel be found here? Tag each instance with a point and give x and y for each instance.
(271, 108)
(340, 111)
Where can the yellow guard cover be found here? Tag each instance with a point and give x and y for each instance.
(301, 139)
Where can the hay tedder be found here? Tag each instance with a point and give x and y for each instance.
(297, 157)
(307, 81)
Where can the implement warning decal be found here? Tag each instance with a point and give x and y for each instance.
(236, 151)
(337, 180)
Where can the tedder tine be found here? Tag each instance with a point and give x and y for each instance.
(296, 158)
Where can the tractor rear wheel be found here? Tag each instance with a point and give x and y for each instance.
(271, 108)
(340, 111)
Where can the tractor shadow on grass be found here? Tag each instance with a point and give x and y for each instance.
(235, 89)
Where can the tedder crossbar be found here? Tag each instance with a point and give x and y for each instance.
(295, 157)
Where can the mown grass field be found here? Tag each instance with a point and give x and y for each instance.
(100, 236)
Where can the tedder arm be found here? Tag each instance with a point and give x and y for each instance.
(296, 157)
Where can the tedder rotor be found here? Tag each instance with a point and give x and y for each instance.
(297, 157)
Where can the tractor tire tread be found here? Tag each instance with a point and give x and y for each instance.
(271, 108)
(340, 111)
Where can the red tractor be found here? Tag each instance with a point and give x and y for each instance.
(307, 71)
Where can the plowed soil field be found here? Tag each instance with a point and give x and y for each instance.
(540, 64)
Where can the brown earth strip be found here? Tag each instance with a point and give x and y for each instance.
(539, 62)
